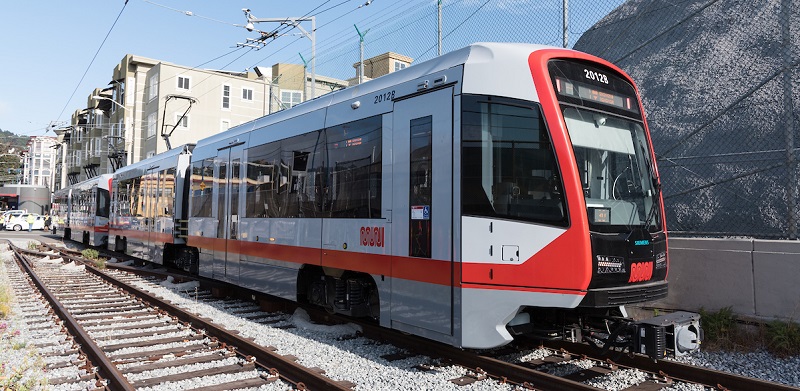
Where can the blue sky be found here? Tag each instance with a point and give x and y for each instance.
(49, 45)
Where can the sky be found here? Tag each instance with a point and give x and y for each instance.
(55, 52)
(52, 56)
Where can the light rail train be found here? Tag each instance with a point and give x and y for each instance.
(497, 190)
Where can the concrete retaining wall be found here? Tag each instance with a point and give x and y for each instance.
(758, 278)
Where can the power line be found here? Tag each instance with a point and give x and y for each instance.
(457, 27)
(93, 58)
(190, 13)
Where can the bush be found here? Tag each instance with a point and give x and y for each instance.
(720, 325)
(100, 263)
(723, 331)
(783, 338)
(90, 254)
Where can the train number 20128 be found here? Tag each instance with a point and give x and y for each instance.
(387, 96)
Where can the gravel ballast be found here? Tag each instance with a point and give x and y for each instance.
(359, 360)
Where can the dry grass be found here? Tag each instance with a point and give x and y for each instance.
(723, 331)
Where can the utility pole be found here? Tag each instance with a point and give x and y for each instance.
(295, 22)
(439, 13)
(565, 22)
(361, 55)
(305, 77)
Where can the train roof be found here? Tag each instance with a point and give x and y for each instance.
(167, 157)
(92, 182)
(487, 69)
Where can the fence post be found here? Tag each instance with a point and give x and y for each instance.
(788, 114)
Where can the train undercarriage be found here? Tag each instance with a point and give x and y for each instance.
(611, 330)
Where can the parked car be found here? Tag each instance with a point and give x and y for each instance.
(20, 222)
(8, 215)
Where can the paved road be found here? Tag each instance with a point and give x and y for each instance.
(21, 238)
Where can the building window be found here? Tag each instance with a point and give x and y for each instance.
(182, 122)
(225, 125)
(183, 83)
(226, 97)
(290, 98)
(151, 125)
(247, 94)
(152, 87)
(399, 65)
(151, 154)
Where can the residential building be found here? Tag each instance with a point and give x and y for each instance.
(38, 161)
(286, 88)
(183, 105)
(150, 106)
(380, 65)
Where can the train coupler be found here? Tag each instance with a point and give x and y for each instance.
(670, 335)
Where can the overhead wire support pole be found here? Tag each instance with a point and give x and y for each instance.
(361, 54)
(789, 122)
(439, 13)
(565, 23)
(305, 75)
(294, 21)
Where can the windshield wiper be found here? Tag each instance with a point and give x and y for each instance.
(655, 204)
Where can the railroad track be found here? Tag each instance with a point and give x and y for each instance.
(65, 361)
(555, 367)
(139, 341)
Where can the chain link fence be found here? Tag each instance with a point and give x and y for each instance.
(719, 79)
(410, 28)
(720, 83)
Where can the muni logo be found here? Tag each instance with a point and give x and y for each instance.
(641, 271)
(372, 236)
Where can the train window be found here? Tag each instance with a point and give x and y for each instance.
(202, 181)
(222, 190)
(332, 172)
(421, 186)
(508, 165)
(353, 187)
(263, 180)
(103, 202)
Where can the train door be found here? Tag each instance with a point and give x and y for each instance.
(150, 192)
(422, 261)
(229, 181)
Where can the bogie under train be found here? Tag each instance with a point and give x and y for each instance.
(500, 189)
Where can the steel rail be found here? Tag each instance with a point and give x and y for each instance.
(106, 368)
(289, 370)
(679, 371)
(494, 367)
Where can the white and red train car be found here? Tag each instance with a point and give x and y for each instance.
(148, 207)
(499, 189)
(84, 210)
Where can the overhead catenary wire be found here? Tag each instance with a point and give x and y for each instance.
(92, 62)
(190, 13)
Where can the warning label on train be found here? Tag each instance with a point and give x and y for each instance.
(420, 212)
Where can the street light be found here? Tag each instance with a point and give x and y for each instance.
(98, 97)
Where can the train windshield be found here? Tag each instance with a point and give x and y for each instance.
(617, 173)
